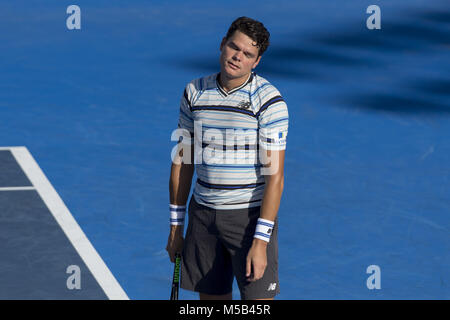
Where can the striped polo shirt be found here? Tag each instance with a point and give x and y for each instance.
(228, 129)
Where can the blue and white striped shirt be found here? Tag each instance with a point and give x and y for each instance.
(230, 127)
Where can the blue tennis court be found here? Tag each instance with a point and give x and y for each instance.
(86, 118)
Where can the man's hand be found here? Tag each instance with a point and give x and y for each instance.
(256, 260)
(175, 241)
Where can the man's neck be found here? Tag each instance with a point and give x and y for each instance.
(230, 84)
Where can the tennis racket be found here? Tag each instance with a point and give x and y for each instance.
(176, 278)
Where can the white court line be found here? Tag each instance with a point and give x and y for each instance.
(68, 224)
(6, 148)
(16, 188)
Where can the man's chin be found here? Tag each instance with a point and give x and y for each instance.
(233, 74)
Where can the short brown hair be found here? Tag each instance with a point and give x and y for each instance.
(253, 29)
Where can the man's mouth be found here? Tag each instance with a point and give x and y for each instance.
(233, 65)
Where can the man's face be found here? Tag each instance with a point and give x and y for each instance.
(239, 55)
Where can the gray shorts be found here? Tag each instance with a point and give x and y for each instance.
(215, 251)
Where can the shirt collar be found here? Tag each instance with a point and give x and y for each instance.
(222, 91)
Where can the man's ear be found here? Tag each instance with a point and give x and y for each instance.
(256, 62)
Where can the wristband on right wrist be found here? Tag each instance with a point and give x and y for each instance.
(177, 214)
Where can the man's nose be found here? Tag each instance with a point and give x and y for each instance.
(237, 56)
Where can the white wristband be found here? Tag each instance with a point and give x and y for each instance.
(177, 214)
(264, 229)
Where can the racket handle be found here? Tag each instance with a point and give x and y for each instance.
(176, 277)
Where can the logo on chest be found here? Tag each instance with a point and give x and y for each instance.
(244, 104)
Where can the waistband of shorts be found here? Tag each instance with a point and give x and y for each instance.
(204, 207)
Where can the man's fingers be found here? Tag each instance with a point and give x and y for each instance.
(171, 253)
(258, 272)
(248, 268)
(174, 246)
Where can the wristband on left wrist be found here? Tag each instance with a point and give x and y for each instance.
(264, 229)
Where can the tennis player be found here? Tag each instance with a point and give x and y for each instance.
(234, 125)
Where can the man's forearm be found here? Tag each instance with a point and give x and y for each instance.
(272, 197)
(274, 184)
(180, 183)
(257, 256)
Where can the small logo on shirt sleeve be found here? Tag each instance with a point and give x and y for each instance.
(280, 137)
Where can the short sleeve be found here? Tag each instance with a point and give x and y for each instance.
(273, 122)
(186, 119)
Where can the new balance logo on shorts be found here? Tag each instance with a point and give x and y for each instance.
(272, 287)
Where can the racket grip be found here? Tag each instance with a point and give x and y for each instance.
(176, 277)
